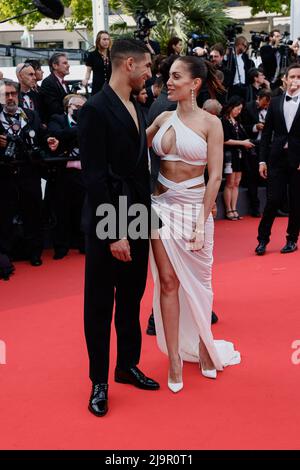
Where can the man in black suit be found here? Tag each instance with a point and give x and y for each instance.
(53, 88)
(114, 160)
(20, 184)
(280, 161)
(254, 118)
(65, 188)
(28, 98)
(238, 63)
(274, 57)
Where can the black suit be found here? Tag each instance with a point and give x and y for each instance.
(231, 66)
(20, 193)
(251, 117)
(269, 61)
(52, 94)
(114, 161)
(65, 190)
(282, 167)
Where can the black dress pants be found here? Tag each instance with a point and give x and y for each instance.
(276, 187)
(21, 193)
(108, 280)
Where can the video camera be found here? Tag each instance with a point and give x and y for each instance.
(232, 30)
(285, 43)
(257, 38)
(143, 25)
(196, 40)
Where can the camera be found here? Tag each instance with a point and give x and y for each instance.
(143, 25)
(257, 38)
(232, 30)
(12, 150)
(196, 40)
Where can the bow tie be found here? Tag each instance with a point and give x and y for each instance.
(289, 98)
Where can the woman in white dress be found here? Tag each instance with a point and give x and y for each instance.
(187, 140)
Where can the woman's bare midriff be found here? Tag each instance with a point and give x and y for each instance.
(178, 172)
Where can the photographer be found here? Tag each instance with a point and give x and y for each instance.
(275, 56)
(216, 56)
(258, 82)
(65, 191)
(238, 63)
(144, 26)
(20, 183)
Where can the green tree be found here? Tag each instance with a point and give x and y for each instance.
(270, 6)
(174, 17)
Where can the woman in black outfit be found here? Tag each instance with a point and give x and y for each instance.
(98, 62)
(236, 143)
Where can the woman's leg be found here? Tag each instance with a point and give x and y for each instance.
(227, 195)
(169, 302)
(235, 191)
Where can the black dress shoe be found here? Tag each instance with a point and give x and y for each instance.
(36, 261)
(214, 318)
(98, 404)
(151, 326)
(60, 253)
(261, 248)
(289, 247)
(135, 377)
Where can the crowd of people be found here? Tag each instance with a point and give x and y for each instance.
(205, 120)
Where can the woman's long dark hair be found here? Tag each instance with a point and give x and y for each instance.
(200, 68)
(172, 42)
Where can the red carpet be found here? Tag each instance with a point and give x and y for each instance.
(44, 385)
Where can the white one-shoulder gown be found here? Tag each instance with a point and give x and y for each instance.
(178, 206)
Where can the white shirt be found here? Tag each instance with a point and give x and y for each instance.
(240, 76)
(290, 109)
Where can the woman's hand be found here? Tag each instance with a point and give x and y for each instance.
(196, 242)
(247, 144)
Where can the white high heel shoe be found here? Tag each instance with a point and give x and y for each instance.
(175, 387)
(209, 373)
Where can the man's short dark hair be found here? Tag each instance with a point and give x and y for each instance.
(219, 48)
(124, 48)
(35, 64)
(264, 94)
(292, 66)
(8, 82)
(54, 59)
(253, 73)
(274, 31)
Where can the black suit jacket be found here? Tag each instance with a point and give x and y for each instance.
(250, 117)
(52, 95)
(275, 136)
(248, 64)
(68, 136)
(113, 155)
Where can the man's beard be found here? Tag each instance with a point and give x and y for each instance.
(137, 88)
(11, 108)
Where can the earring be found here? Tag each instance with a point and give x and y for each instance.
(193, 100)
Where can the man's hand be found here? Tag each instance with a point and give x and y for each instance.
(263, 170)
(3, 141)
(298, 168)
(260, 126)
(121, 250)
(53, 143)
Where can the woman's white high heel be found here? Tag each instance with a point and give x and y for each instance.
(175, 387)
(209, 373)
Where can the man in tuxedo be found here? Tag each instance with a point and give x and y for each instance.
(114, 161)
(280, 161)
(53, 88)
(254, 118)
